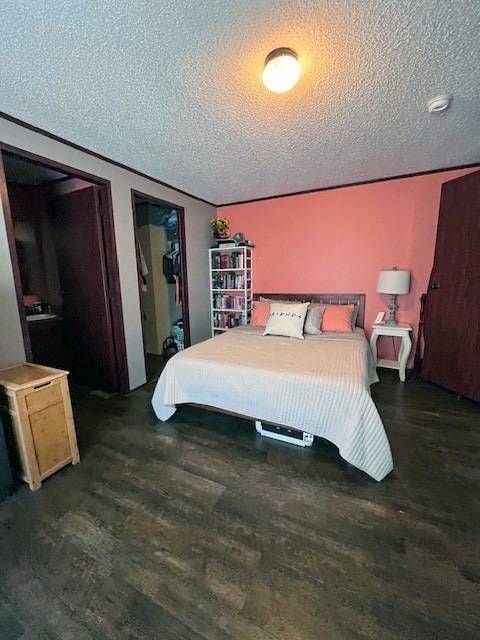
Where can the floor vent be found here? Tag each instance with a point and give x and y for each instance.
(284, 434)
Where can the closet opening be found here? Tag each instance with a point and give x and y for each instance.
(162, 279)
(60, 230)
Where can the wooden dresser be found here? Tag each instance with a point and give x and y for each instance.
(39, 403)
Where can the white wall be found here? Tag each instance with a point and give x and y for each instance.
(197, 216)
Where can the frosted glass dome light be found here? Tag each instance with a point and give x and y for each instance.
(282, 70)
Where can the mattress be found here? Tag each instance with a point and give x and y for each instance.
(320, 385)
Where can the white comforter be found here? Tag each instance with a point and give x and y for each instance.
(320, 385)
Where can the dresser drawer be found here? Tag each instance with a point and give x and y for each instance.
(43, 397)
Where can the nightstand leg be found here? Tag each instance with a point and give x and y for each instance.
(404, 353)
(373, 346)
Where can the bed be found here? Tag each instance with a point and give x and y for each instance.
(320, 385)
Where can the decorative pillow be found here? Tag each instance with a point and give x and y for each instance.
(286, 320)
(338, 318)
(313, 320)
(260, 313)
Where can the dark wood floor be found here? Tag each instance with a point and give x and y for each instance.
(199, 529)
(154, 364)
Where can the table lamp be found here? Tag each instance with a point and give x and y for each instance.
(394, 282)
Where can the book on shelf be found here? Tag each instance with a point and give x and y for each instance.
(226, 242)
(223, 320)
(229, 281)
(231, 260)
(231, 243)
(228, 301)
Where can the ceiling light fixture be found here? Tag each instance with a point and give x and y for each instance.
(282, 70)
(439, 103)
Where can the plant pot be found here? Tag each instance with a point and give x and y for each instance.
(221, 235)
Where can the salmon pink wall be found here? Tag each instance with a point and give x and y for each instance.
(338, 240)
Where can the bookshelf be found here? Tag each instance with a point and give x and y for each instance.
(230, 287)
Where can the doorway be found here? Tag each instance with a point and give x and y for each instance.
(60, 229)
(162, 279)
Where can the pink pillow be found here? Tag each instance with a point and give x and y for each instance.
(260, 313)
(338, 318)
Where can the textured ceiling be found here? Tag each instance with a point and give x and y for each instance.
(173, 88)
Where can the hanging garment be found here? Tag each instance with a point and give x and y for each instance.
(143, 269)
(168, 266)
(178, 297)
(172, 263)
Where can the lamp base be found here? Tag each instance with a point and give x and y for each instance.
(391, 321)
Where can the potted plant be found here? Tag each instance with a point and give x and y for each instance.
(220, 228)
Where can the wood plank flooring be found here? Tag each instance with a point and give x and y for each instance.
(199, 529)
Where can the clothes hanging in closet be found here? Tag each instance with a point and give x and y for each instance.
(171, 263)
(178, 298)
(172, 270)
(142, 268)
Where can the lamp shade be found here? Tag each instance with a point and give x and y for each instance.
(393, 281)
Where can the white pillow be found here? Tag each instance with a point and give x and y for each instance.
(286, 320)
(313, 319)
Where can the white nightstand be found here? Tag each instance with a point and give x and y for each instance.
(401, 330)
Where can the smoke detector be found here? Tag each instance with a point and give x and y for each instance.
(439, 103)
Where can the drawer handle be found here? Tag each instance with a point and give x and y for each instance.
(44, 384)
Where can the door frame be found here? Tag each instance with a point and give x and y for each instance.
(109, 254)
(183, 256)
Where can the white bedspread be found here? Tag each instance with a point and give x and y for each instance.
(320, 385)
